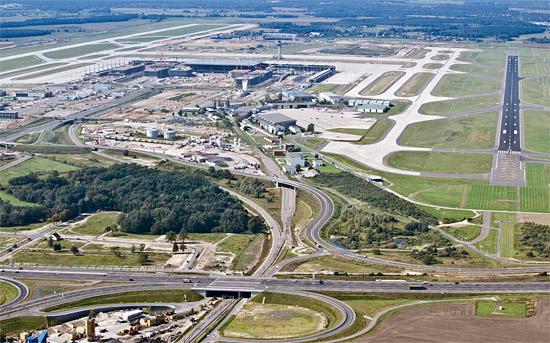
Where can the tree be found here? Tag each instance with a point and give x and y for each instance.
(183, 235)
(57, 247)
(143, 257)
(182, 247)
(298, 168)
(376, 251)
(74, 250)
(141, 247)
(116, 251)
(125, 152)
(50, 243)
(170, 236)
(92, 313)
(133, 249)
(175, 247)
(311, 127)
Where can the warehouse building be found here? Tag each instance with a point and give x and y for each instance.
(126, 70)
(9, 115)
(275, 122)
(279, 36)
(294, 95)
(223, 65)
(371, 106)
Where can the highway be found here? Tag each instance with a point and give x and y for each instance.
(509, 136)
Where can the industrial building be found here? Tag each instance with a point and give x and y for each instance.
(169, 134)
(275, 122)
(156, 71)
(371, 106)
(152, 132)
(243, 79)
(295, 158)
(223, 65)
(322, 75)
(294, 95)
(126, 70)
(330, 97)
(279, 36)
(9, 115)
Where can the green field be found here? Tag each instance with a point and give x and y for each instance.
(140, 39)
(28, 139)
(52, 71)
(461, 105)
(80, 51)
(464, 132)
(449, 196)
(96, 224)
(463, 233)
(448, 213)
(537, 130)
(441, 162)
(463, 84)
(508, 239)
(182, 31)
(21, 62)
(536, 90)
(206, 237)
(32, 69)
(535, 197)
(61, 136)
(349, 131)
(432, 66)
(322, 87)
(150, 296)
(335, 264)
(376, 131)
(490, 243)
(415, 84)
(8, 292)
(248, 256)
(440, 57)
(497, 217)
(484, 196)
(14, 201)
(491, 309)
(35, 164)
(236, 243)
(534, 66)
(475, 69)
(382, 83)
(14, 326)
(490, 58)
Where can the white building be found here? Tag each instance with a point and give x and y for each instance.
(330, 97)
(295, 158)
(317, 163)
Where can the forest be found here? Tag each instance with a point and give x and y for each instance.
(151, 201)
(536, 239)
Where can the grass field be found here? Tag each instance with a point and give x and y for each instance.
(465, 132)
(61, 136)
(349, 131)
(91, 57)
(274, 321)
(484, 196)
(449, 196)
(8, 292)
(490, 243)
(475, 69)
(14, 326)
(376, 131)
(469, 261)
(534, 66)
(236, 243)
(80, 51)
(490, 58)
(497, 217)
(464, 233)
(414, 85)
(151, 296)
(441, 162)
(537, 130)
(491, 309)
(36, 165)
(206, 237)
(536, 90)
(535, 197)
(432, 66)
(140, 39)
(14, 201)
(463, 84)
(381, 84)
(335, 264)
(248, 255)
(32, 69)
(52, 71)
(21, 62)
(96, 224)
(322, 87)
(314, 143)
(461, 105)
(447, 213)
(86, 159)
(28, 139)
(507, 241)
(440, 57)
(398, 107)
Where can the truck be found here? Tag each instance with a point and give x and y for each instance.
(186, 281)
(417, 288)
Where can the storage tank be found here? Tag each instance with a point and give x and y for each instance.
(152, 132)
(169, 134)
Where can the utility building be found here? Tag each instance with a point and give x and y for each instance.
(275, 122)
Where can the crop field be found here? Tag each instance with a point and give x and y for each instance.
(463, 84)
(376, 131)
(464, 233)
(14, 201)
(80, 51)
(432, 66)
(414, 85)
(461, 105)
(490, 58)
(484, 196)
(474, 69)
(534, 66)
(381, 84)
(449, 196)
(535, 197)
(491, 308)
(490, 243)
(21, 62)
(52, 71)
(441, 162)
(36, 165)
(466, 132)
(537, 130)
(536, 90)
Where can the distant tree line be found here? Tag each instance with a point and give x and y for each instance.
(151, 201)
(14, 33)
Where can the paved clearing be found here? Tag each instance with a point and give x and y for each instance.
(457, 323)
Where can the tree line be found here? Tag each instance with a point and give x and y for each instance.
(151, 201)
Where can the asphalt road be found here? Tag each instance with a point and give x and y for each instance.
(509, 140)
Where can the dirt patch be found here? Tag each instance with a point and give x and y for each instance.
(543, 219)
(457, 323)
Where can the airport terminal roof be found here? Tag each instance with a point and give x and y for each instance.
(275, 118)
(223, 62)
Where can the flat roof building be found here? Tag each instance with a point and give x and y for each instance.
(275, 122)
(223, 65)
